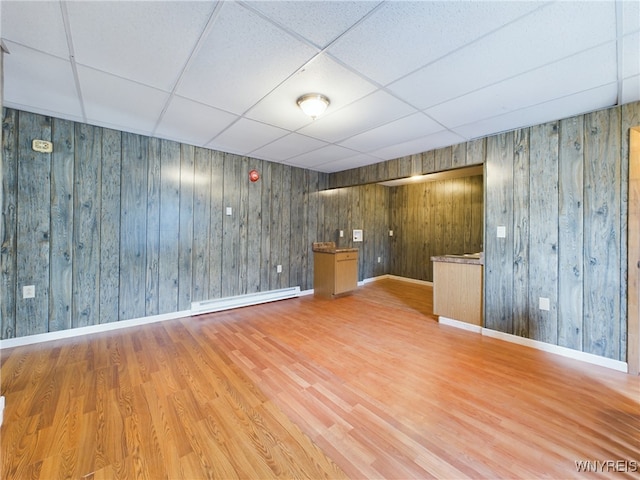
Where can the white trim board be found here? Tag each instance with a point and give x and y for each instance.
(538, 345)
(395, 277)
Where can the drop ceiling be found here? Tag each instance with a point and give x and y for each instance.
(403, 77)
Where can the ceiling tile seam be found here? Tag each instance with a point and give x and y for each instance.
(320, 52)
(455, 50)
(519, 74)
(533, 105)
(72, 57)
(215, 13)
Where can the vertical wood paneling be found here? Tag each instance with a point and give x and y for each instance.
(459, 155)
(498, 252)
(265, 243)
(521, 224)
(429, 162)
(185, 267)
(231, 227)
(243, 215)
(133, 225)
(153, 227)
(61, 267)
(602, 233)
(9, 250)
(543, 235)
(201, 223)
(298, 229)
(215, 225)
(571, 227)
(110, 175)
(34, 200)
(169, 253)
(285, 227)
(443, 159)
(476, 151)
(254, 225)
(86, 231)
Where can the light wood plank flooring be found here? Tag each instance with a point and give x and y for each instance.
(365, 386)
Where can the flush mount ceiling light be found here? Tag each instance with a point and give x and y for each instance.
(313, 104)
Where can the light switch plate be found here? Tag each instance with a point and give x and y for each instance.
(357, 235)
(502, 231)
(544, 303)
(29, 291)
(229, 211)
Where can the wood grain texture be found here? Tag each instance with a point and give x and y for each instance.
(185, 256)
(571, 240)
(543, 234)
(633, 299)
(61, 262)
(215, 224)
(33, 227)
(152, 247)
(201, 229)
(366, 386)
(9, 226)
(498, 252)
(111, 174)
(133, 225)
(602, 233)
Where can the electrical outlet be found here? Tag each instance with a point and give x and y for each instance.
(279, 269)
(391, 233)
(379, 259)
(29, 291)
(501, 231)
(229, 211)
(341, 233)
(544, 303)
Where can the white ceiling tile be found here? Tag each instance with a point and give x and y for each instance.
(630, 16)
(152, 50)
(424, 144)
(631, 55)
(37, 25)
(404, 129)
(356, 161)
(330, 153)
(630, 89)
(191, 122)
(243, 58)
(245, 136)
(519, 47)
(369, 112)
(286, 147)
(323, 75)
(595, 99)
(400, 37)
(114, 101)
(320, 22)
(39, 82)
(537, 86)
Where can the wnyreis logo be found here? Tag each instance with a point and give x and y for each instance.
(607, 466)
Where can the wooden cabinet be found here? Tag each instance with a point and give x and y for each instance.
(457, 289)
(335, 272)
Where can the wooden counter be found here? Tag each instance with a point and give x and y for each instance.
(335, 270)
(457, 287)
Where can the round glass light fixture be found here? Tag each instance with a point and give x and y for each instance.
(313, 104)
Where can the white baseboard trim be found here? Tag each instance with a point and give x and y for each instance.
(538, 345)
(395, 277)
(1, 410)
(77, 332)
(228, 303)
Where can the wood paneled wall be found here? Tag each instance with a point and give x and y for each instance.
(114, 226)
(364, 207)
(434, 218)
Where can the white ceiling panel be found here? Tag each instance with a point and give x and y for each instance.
(403, 77)
(164, 34)
(190, 122)
(243, 58)
(320, 22)
(323, 75)
(37, 25)
(290, 146)
(369, 112)
(40, 81)
(404, 129)
(113, 101)
(550, 111)
(534, 41)
(424, 144)
(534, 87)
(245, 136)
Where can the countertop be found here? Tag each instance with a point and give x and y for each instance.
(468, 258)
(330, 247)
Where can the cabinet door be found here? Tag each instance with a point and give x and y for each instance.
(346, 272)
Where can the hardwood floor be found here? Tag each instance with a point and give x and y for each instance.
(364, 386)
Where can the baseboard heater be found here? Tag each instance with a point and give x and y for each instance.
(227, 303)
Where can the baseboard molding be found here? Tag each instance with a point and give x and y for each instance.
(228, 303)
(1, 410)
(395, 277)
(538, 345)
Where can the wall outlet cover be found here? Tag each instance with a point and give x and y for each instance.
(357, 235)
(544, 303)
(29, 291)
